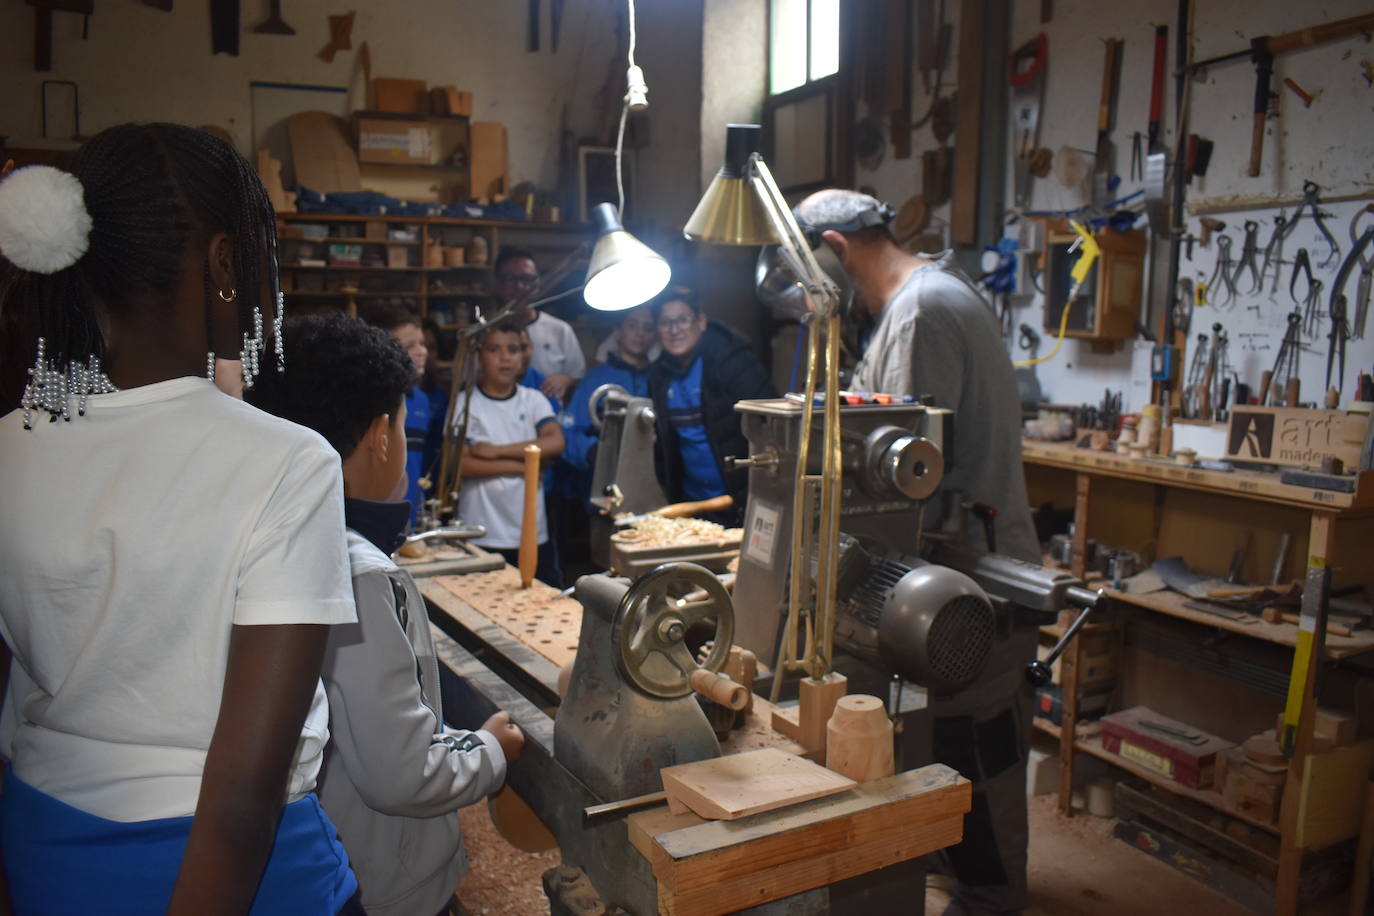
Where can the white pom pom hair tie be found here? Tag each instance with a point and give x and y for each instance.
(44, 225)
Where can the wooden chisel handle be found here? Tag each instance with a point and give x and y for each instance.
(683, 510)
(1266, 379)
(1104, 107)
(529, 526)
(1291, 393)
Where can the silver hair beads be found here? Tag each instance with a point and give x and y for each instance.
(51, 389)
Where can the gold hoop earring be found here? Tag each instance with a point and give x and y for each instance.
(233, 294)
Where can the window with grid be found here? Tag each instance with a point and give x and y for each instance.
(803, 42)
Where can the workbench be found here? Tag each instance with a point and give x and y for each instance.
(822, 856)
(1162, 509)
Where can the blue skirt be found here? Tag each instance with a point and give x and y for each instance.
(62, 860)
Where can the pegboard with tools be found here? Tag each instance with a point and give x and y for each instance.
(1290, 288)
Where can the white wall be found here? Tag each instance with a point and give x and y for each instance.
(143, 64)
(1331, 143)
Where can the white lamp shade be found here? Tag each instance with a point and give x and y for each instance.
(623, 271)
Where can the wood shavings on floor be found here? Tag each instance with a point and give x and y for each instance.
(502, 880)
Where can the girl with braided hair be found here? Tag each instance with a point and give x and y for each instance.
(173, 556)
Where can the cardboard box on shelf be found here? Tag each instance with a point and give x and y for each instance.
(399, 95)
(397, 256)
(395, 141)
(448, 100)
(490, 163)
(375, 230)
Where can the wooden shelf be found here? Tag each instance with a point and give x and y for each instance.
(1253, 485)
(334, 294)
(347, 269)
(1209, 797)
(434, 221)
(426, 166)
(1284, 634)
(1045, 725)
(355, 240)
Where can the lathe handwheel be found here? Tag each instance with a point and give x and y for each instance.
(594, 403)
(650, 628)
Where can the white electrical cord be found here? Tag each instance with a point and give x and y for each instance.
(636, 98)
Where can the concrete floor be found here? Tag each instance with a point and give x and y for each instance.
(1076, 869)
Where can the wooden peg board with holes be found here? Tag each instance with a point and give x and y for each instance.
(535, 616)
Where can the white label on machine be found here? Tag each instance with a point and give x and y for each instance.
(763, 532)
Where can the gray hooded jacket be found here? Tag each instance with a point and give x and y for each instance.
(394, 774)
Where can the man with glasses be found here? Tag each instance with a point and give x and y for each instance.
(557, 354)
(704, 368)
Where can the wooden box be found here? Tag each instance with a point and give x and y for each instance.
(399, 95)
(447, 100)
(1108, 303)
(490, 163)
(1295, 436)
(1181, 760)
(395, 141)
(397, 256)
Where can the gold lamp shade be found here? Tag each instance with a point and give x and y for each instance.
(730, 212)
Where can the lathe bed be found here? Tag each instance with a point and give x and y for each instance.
(846, 853)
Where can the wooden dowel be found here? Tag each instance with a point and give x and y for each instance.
(719, 689)
(529, 528)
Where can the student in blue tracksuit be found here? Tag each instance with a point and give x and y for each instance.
(627, 366)
(704, 369)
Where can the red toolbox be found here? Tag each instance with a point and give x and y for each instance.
(1167, 746)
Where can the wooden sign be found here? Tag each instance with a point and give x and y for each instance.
(1295, 436)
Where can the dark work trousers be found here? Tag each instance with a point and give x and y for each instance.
(984, 733)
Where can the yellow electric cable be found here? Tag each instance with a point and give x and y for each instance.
(1059, 342)
(1079, 273)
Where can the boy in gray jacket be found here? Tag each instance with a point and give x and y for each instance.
(394, 773)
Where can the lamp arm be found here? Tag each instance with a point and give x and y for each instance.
(819, 287)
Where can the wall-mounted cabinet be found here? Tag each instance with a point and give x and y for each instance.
(1107, 306)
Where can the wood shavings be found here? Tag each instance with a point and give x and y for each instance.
(655, 531)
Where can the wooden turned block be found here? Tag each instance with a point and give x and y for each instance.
(817, 701)
(859, 739)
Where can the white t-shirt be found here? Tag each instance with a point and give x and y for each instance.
(498, 503)
(555, 347)
(131, 540)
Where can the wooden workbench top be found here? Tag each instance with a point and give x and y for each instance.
(715, 867)
(1256, 485)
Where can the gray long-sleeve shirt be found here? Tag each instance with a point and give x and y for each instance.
(394, 774)
(937, 336)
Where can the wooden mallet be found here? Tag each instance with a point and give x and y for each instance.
(529, 528)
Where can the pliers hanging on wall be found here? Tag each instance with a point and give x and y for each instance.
(1359, 242)
(1223, 271)
(1273, 252)
(1309, 305)
(1310, 201)
(1248, 250)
